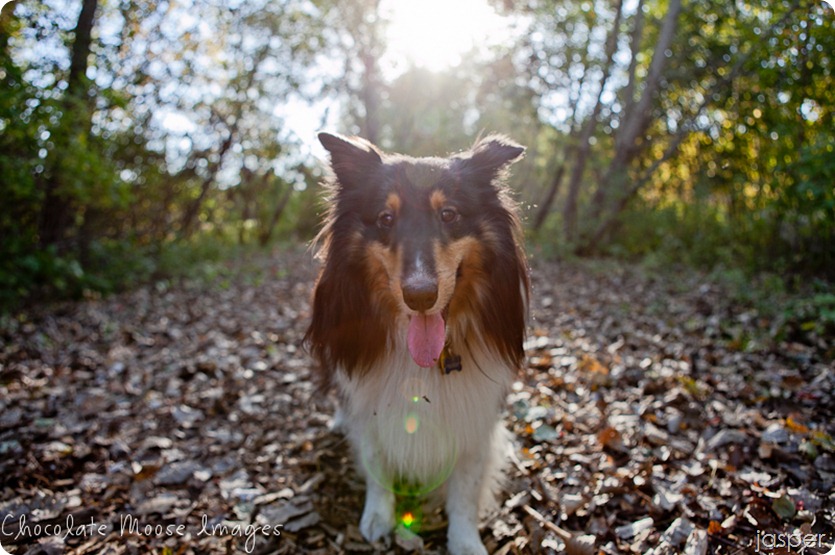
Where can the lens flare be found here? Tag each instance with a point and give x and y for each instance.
(412, 424)
(412, 388)
(397, 449)
(407, 519)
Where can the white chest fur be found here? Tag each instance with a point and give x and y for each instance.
(410, 425)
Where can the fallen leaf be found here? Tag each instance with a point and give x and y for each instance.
(784, 507)
(628, 531)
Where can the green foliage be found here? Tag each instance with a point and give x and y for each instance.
(759, 171)
(202, 260)
(23, 272)
(678, 234)
(97, 195)
(42, 274)
(171, 154)
(814, 314)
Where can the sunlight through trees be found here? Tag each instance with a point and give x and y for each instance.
(696, 131)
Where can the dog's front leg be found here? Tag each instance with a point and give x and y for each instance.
(378, 515)
(463, 494)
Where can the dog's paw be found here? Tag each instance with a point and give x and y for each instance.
(377, 521)
(461, 541)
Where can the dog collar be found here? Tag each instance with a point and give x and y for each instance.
(449, 362)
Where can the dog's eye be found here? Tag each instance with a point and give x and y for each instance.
(449, 215)
(385, 220)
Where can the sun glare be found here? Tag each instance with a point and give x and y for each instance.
(437, 34)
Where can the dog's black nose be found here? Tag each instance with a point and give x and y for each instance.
(420, 292)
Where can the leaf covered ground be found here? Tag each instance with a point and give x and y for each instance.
(656, 415)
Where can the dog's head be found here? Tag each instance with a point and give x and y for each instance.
(429, 241)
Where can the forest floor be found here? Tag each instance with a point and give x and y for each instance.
(657, 414)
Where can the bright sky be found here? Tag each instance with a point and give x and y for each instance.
(433, 34)
(437, 34)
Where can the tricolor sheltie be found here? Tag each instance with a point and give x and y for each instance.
(419, 320)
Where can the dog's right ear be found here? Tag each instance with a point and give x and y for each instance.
(352, 159)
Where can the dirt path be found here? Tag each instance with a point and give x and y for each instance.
(180, 418)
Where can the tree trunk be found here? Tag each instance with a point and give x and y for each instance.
(637, 120)
(548, 201)
(369, 42)
(370, 96)
(360, 27)
(267, 233)
(584, 146)
(190, 215)
(634, 47)
(57, 208)
(76, 81)
(634, 124)
(6, 16)
(615, 181)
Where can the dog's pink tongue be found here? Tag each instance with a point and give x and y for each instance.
(426, 338)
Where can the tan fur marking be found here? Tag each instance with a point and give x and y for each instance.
(384, 267)
(438, 200)
(384, 273)
(465, 254)
(393, 202)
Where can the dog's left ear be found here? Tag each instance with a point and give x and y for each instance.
(489, 156)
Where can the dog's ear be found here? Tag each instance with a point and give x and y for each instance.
(352, 159)
(489, 156)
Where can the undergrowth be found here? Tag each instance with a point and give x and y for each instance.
(108, 267)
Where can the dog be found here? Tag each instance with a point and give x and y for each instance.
(418, 319)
